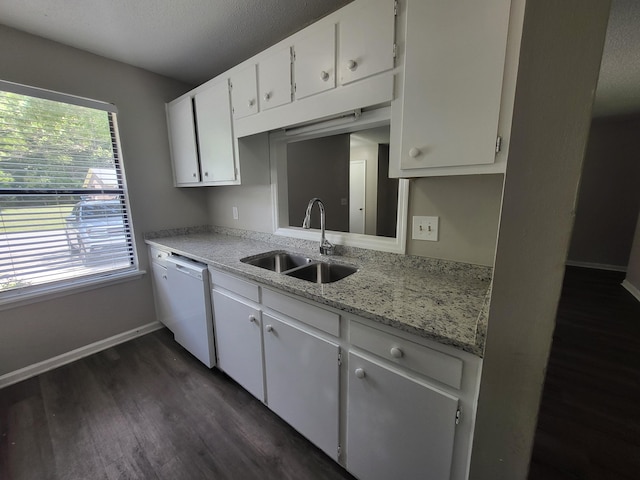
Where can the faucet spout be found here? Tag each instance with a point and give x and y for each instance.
(326, 248)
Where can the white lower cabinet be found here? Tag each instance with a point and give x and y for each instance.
(161, 294)
(397, 427)
(387, 410)
(239, 342)
(302, 378)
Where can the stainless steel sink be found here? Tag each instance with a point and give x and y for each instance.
(277, 261)
(299, 266)
(323, 272)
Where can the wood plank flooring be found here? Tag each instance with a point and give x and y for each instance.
(589, 421)
(147, 409)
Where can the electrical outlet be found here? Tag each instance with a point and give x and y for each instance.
(235, 213)
(425, 228)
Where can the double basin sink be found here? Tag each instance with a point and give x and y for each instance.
(299, 266)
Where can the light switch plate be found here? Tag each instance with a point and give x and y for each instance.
(425, 228)
(234, 210)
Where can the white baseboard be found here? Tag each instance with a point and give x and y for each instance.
(631, 289)
(55, 362)
(598, 266)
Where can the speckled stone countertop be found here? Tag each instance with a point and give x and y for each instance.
(436, 299)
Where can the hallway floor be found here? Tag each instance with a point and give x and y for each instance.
(589, 422)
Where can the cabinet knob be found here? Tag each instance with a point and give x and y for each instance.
(359, 373)
(252, 318)
(414, 152)
(195, 175)
(352, 65)
(251, 102)
(267, 96)
(396, 352)
(268, 328)
(324, 75)
(206, 174)
(164, 277)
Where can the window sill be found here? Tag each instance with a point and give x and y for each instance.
(49, 292)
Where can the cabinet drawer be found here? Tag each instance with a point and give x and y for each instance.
(320, 318)
(439, 366)
(236, 285)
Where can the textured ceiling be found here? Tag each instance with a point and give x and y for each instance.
(195, 40)
(189, 40)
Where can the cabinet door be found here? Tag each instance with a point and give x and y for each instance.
(215, 134)
(397, 427)
(315, 62)
(182, 134)
(454, 63)
(238, 342)
(274, 79)
(366, 40)
(244, 92)
(160, 282)
(302, 378)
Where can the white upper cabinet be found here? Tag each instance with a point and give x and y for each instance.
(274, 79)
(315, 62)
(215, 134)
(201, 134)
(244, 92)
(182, 136)
(367, 37)
(452, 83)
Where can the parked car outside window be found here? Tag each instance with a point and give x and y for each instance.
(96, 230)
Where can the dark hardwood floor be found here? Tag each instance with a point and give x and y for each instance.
(589, 421)
(147, 409)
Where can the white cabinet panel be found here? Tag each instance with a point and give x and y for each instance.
(239, 342)
(215, 134)
(302, 378)
(397, 427)
(182, 135)
(454, 63)
(161, 294)
(244, 92)
(408, 355)
(310, 314)
(315, 62)
(274, 79)
(366, 40)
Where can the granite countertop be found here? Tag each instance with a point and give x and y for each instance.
(436, 299)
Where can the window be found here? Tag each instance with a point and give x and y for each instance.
(63, 203)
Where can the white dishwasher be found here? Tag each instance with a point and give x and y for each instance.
(189, 305)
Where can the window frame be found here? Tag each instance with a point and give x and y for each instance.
(82, 281)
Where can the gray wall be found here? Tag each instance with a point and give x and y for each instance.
(609, 198)
(633, 270)
(319, 168)
(557, 74)
(39, 331)
(469, 210)
(387, 189)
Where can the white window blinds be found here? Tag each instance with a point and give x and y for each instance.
(63, 203)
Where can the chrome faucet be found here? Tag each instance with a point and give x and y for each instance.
(325, 246)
